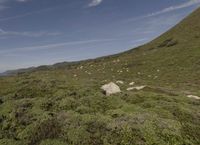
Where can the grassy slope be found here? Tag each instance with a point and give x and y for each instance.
(64, 105)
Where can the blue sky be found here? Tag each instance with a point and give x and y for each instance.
(37, 32)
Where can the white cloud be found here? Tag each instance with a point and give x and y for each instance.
(139, 40)
(2, 7)
(50, 46)
(94, 3)
(4, 33)
(22, 0)
(27, 14)
(176, 7)
(168, 9)
(3, 3)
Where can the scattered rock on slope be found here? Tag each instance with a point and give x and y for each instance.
(110, 89)
(119, 82)
(129, 89)
(136, 88)
(140, 87)
(194, 97)
(132, 83)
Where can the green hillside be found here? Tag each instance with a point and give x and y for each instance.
(64, 105)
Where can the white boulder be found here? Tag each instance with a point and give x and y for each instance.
(194, 97)
(131, 88)
(136, 88)
(110, 89)
(132, 83)
(140, 87)
(119, 82)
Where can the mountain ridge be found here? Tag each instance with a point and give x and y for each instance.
(156, 41)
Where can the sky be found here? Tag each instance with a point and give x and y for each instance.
(42, 32)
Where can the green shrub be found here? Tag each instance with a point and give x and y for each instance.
(52, 142)
(49, 128)
(47, 105)
(68, 103)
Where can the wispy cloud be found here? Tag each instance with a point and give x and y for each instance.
(28, 14)
(95, 3)
(169, 9)
(22, 0)
(27, 34)
(51, 46)
(3, 3)
(139, 40)
(2, 7)
(176, 7)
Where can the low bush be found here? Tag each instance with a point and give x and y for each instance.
(168, 43)
(45, 129)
